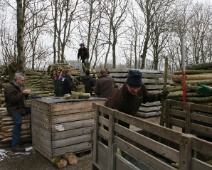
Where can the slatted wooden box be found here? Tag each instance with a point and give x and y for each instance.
(60, 125)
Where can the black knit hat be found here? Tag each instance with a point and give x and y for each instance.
(134, 78)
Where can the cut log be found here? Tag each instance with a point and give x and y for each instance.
(59, 162)
(71, 158)
(203, 66)
(178, 78)
(193, 72)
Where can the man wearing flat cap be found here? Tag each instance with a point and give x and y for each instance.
(129, 97)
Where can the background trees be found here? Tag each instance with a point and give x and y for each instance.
(129, 33)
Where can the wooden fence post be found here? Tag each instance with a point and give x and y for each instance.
(188, 118)
(168, 113)
(185, 152)
(111, 151)
(95, 136)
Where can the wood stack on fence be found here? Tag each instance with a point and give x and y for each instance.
(6, 128)
(153, 79)
(196, 76)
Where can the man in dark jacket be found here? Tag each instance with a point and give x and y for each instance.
(15, 102)
(104, 86)
(58, 80)
(83, 54)
(89, 82)
(68, 84)
(129, 97)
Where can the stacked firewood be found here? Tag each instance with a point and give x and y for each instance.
(196, 76)
(6, 127)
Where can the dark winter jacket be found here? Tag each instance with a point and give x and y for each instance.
(83, 53)
(58, 80)
(67, 85)
(89, 83)
(14, 99)
(104, 86)
(125, 102)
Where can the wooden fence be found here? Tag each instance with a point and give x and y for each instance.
(116, 147)
(153, 79)
(191, 118)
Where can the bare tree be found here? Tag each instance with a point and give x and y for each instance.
(63, 16)
(200, 32)
(115, 11)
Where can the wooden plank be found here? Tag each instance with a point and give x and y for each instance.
(197, 165)
(111, 152)
(72, 148)
(40, 133)
(201, 118)
(148, 104)
(177, 113)
(72, 117)
(71, 141)
(148, 159)
(40, 150)
(71, 111)
(71, 133)
(72, 125)
(105, 110)
(149, 143)
(41, 124)
(202, 146)
(178, 104)
(149, 109)
(123, 164)
(38, 104)
(185, 152)
(201, 108)
(40, 110)
(149, 87)
(149, 114)
(44, 148)
(102, 156)
(148, 126)
(188, 119)
(103, 133)
(103, 121)
(65, 107)
(41, 116)
(201, 129)
(178, 122)
(95, 134)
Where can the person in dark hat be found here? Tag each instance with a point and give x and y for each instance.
(83, 55)
(129, 97)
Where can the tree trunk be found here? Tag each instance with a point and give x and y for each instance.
(20, 31)
(71, 158)
(59, 162)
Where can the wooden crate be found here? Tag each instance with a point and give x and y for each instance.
(60, 125)
(153, 79)
(190, 117)
(153, 147)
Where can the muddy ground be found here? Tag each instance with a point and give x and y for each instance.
(33, 160)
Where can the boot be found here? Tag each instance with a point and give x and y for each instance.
(18, 149)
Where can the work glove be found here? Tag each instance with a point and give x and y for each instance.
(163, 94)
